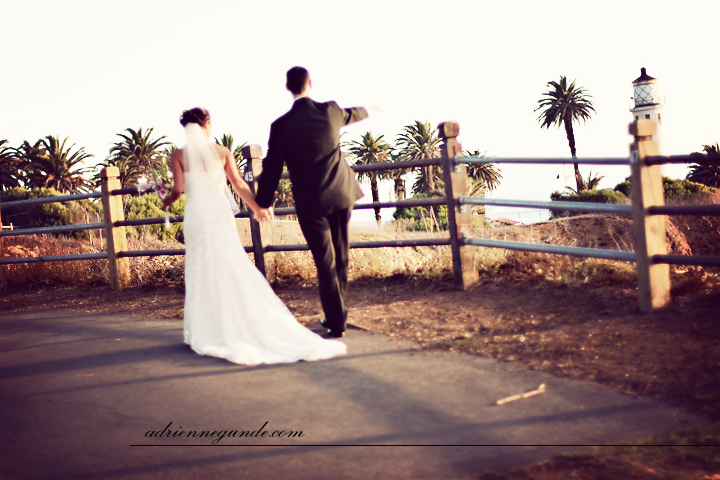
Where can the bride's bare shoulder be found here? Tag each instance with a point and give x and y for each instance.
(176, 154)
(221, 150)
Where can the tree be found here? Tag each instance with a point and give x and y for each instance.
(706, 170)
(129, 171)
(563, 105)
(482, 178)
(421, 141)
(369, 150)
(59, 167)
(227, 141)
(26, 154)
(137, 147)
(9, 167)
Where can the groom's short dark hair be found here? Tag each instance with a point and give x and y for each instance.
(297, 78)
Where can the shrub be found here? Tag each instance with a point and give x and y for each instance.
(150, 206)
(605, 195)
(673, 189)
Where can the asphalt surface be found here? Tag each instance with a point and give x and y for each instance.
(82, 393)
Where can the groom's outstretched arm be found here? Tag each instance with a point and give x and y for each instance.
(353, 114)
(272, 170)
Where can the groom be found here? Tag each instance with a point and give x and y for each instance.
(324, 187)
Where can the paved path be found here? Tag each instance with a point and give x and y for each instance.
(79, 391)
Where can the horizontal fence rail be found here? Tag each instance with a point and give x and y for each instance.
(541, 161)
(704, 158)
(556, 249)
(67, 198)
(701, 210)
(570, 206)
(694, 260)
(648, 215)
(57, 229)
(55, 258)
(44, 200)
(421, 242)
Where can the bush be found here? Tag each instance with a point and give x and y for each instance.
(684, 189)
(421, 216)
(150, 206)
(605, 195)
(49, 214)
(673, 189)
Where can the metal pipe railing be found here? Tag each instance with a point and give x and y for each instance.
(695, 260)
(571, 206)
(684, 210)
(55, 258)
(556, 249)
(57, 229)
(546, 161)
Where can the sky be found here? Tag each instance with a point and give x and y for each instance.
(88, 70)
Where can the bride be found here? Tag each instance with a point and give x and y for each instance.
(230, 310)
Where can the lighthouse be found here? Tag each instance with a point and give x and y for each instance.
(646, 103)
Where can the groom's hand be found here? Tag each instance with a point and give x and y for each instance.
(264, 214)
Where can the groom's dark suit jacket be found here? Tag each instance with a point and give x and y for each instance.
(307, 139)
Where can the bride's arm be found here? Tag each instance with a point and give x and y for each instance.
(178, 178)
(242, 188)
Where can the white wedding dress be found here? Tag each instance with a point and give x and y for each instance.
(231, 311)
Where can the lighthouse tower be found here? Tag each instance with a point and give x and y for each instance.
(647, 103)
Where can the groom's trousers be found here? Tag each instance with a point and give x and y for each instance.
(328, 240)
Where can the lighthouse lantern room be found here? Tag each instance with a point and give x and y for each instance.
(647, 104)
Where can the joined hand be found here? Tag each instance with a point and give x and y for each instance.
(264, 214)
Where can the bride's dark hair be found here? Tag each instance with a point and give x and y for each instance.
(194, 115)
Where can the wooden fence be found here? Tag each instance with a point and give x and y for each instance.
(647, 210)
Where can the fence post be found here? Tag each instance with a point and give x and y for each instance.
(116, 238)
(459, 216)
(646, 191)
(260, 232)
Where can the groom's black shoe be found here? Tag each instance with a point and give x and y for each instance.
(334, 334)
(331, 333)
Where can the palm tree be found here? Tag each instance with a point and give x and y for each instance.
(564, 105)
(706, 170)
(421, 141)
(9, 169)
(367, 151)
(139, 148)
(26, 154)
(129, 171)
(227, 141)
(58, 167)
(397, 177)
(482, 178)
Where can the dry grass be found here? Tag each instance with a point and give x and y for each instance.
(428, 262)
(686, 235)
(83, 272)
(144, 271)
